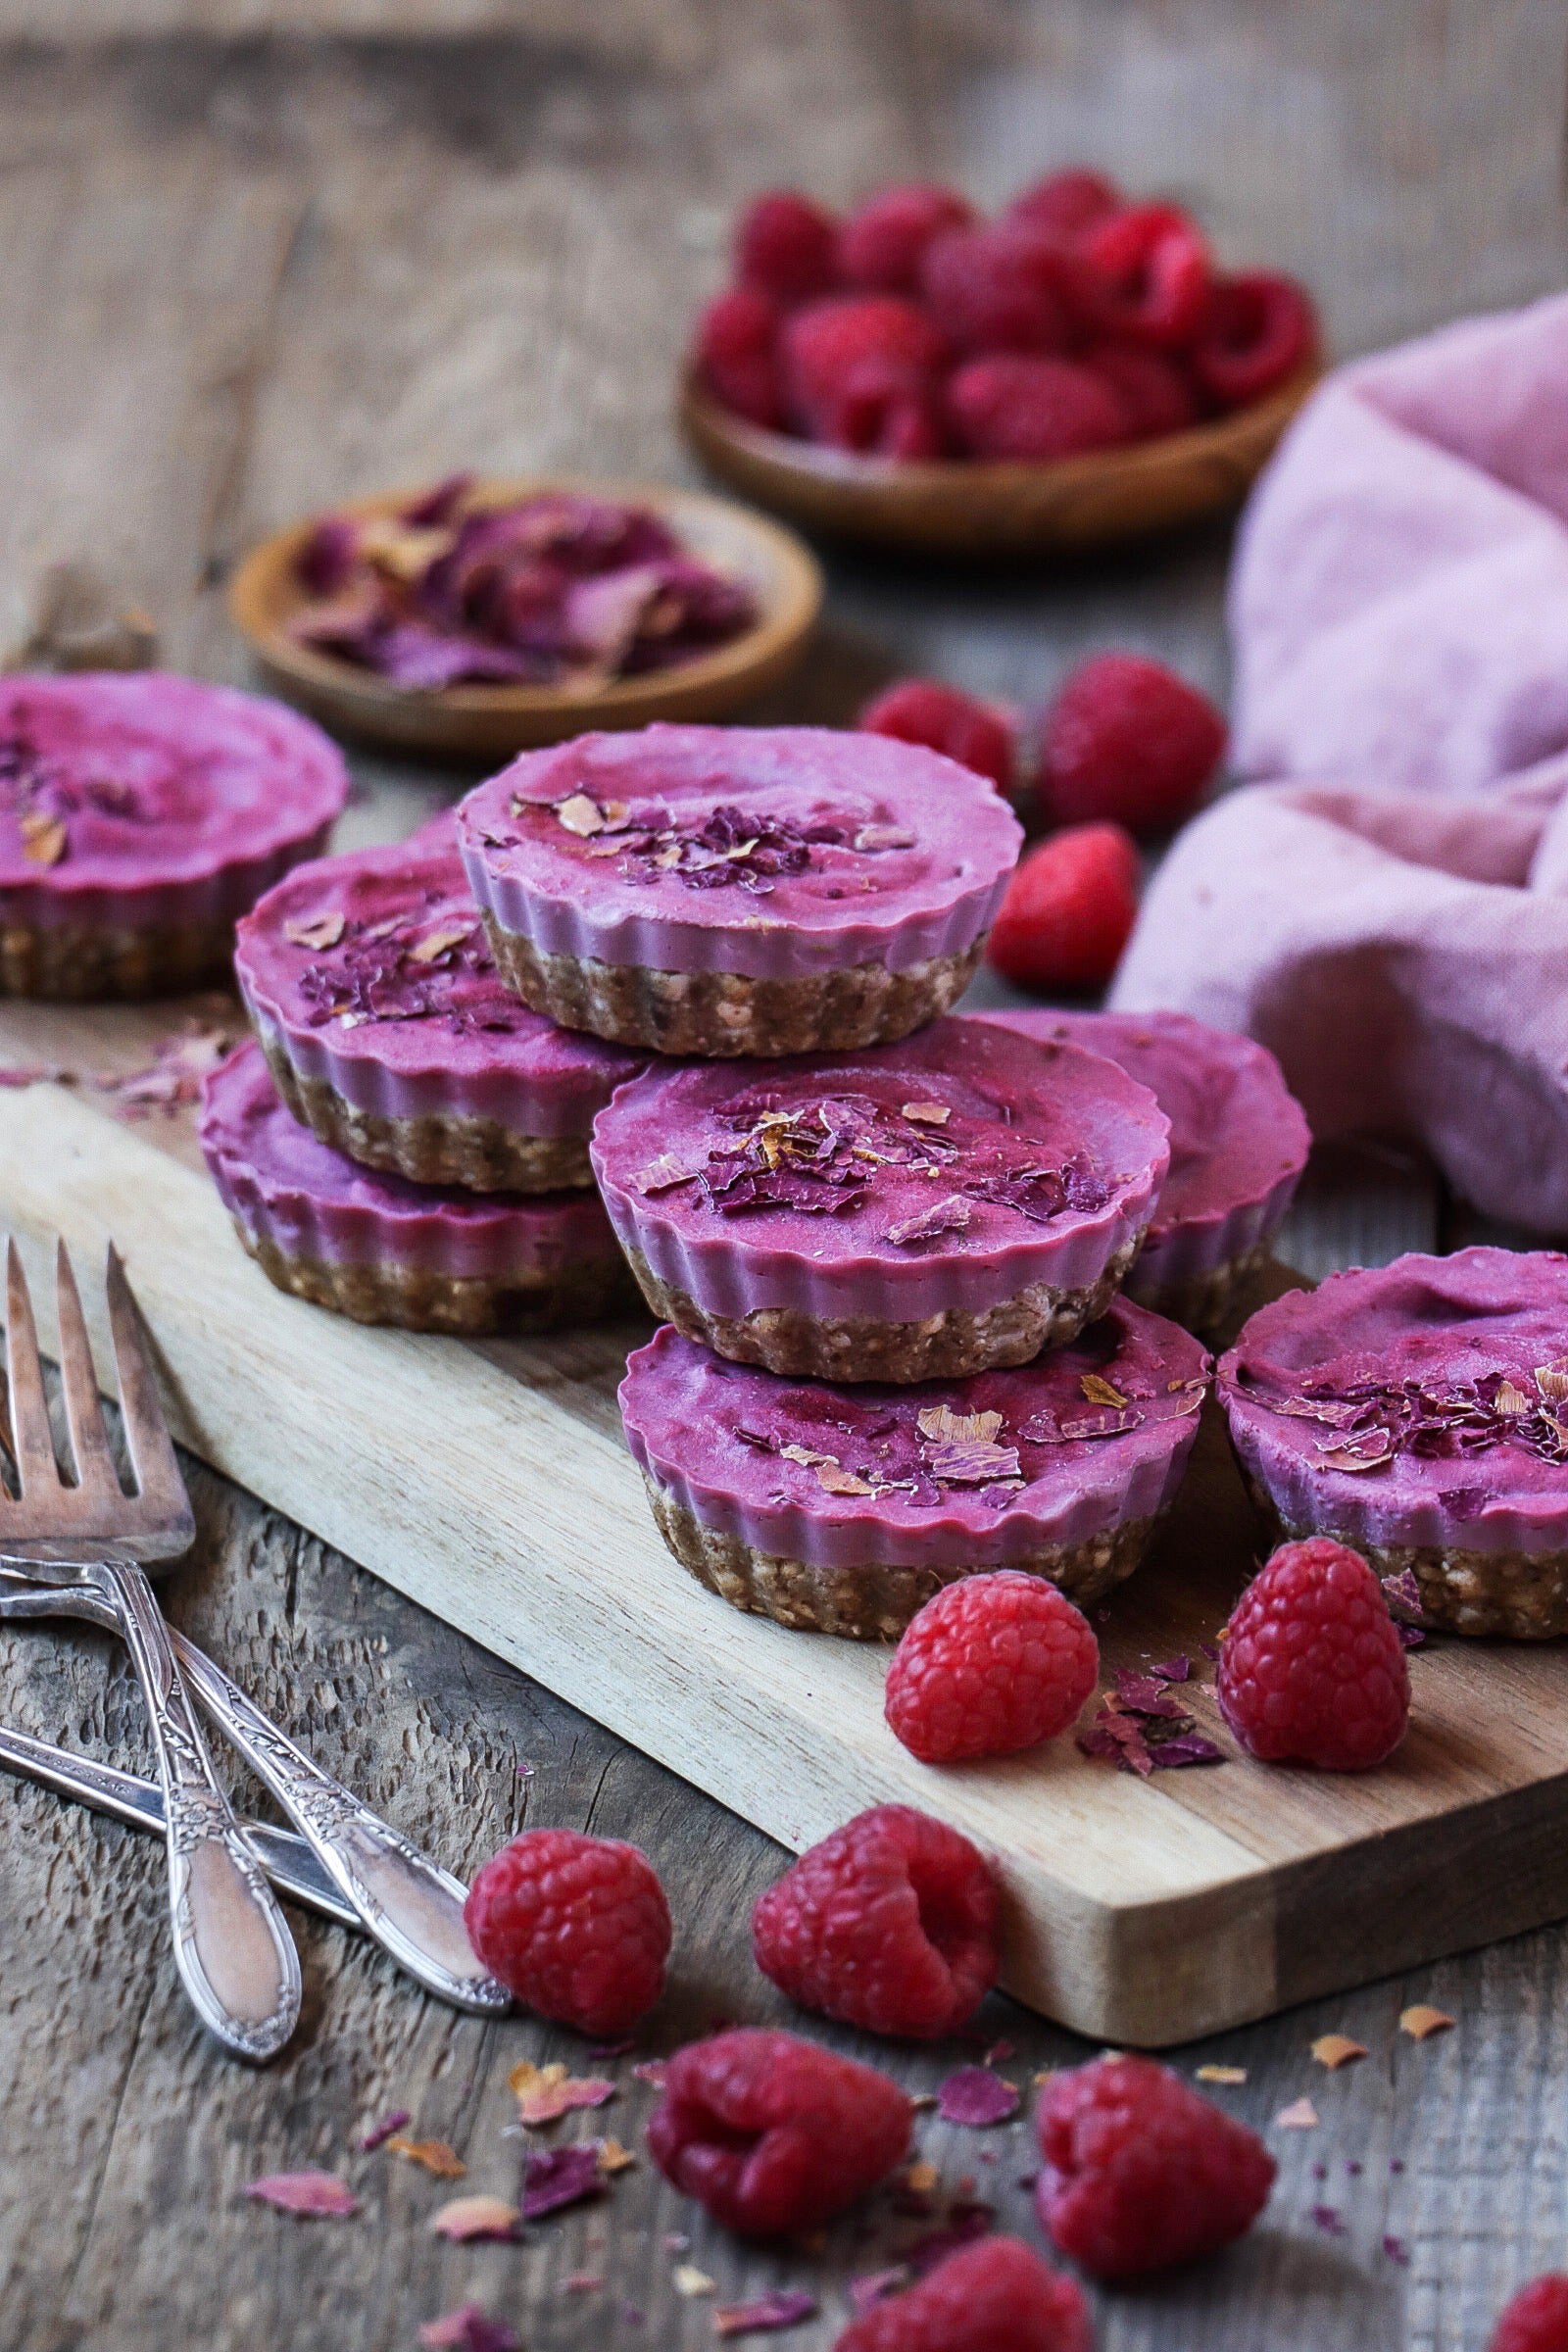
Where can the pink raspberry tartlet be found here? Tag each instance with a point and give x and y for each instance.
(955, 1202)
(371, 986)
(1239, 1141)
(383, 1250)
(724, 891)
(141, 816)
(1418, 1412)
(842, 1510)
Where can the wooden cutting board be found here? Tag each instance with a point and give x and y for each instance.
(489, 1482)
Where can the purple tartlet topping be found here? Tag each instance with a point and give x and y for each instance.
(1424, 1402)
(976, 1472)
(282, 1185)
(1238, 1139)
(148, 800)
(947, 1171)
(772, 851)
(372, 970)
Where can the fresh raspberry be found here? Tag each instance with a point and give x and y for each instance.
(991, 1664)
(576, 1926)
(959, 725)
(773, 2135)
(993, 2296)
(1256, 330)
(830, 347)
(1311, 1667)
(1129, 740)
(1033, 410)
(882, 246)
(1537, 2320)
(1000, 287)
(1157, 396)
(1140, 2171)
(882, 409)
(1070, 911)
(786, 246)
(1068, 203)
(890, 1923)
(1153, 269)
(737, 340)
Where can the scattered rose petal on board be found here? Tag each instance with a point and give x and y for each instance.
(1173, 1670)
(318, 2195)
(1422, 2022)
(976, 2097)
(921, 2177)
(786, 2307)
(469, 2328)
(1222, 2074)
(544, 2093)
(613, 2158)
(1329, 2220)
(560, 2176)
(379, 2134)
(465, 2218)
(874, 2286)
(689, 2280)
(435, 2155)
(1335, 2050)
(1397, 2252)
(651, 2069)
(1300, 2116)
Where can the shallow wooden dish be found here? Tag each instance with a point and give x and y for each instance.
(975, 508)
(491, 722)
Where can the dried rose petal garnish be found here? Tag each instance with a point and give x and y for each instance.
(976, 2097)
(1371, 1422)
(560, 2177)
(546, 2092)
(379, 2134)
(1300, 2116)
(786, 2307)
(436, 2156)
(469, 2328)
(45, 799)
(1335, 2050)
(1422, 2021)
(467, 2218)
(315, 2194)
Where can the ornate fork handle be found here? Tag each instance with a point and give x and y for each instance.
(233, 1948)
(406, 1902)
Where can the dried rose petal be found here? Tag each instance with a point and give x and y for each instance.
(874, 838)
(560, 2177)
(1143, 1695)
(465, 2218)
(972, 1463)
(469, 2328)
(43, 837)
(871, 2288)
(1186, 1748)
(1300, 2116)
(544, 2093)
(1173, 1670)
(435, 2155)
(1221, 2074)
(947, 1428)
(322, 931)
(951, 1216)
(580, 815)
(1335, 2050)
(379, 2134)
(975, 2096)
(1422, 2021)
(786, 2307)
(833, 1479)
(1100, 1392)
(319, 2195)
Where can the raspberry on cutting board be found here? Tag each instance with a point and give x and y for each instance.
(992, 1665)
(995, 2296)
(1129, 741)
(1141, 2172)
(1312, 1666)
(890, 1924)
(772, 2135)
(1070, 911)
(576, 1926)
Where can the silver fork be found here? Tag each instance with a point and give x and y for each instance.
(233, 1947)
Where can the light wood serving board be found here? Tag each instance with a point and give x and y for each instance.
(489, 1482)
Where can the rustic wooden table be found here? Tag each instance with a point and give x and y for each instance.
(257, 257)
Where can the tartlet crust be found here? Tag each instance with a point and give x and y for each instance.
(83, 964)
(462, 1304)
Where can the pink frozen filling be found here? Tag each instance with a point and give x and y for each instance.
(1238, 1139)
(773, 852)
(1421, 1402)
(950, 1169)
(131, 787)
(285, 1186)
(1087, 1436)
(374, 972)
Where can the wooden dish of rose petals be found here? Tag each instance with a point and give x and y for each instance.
(274, 603)
(979, 508)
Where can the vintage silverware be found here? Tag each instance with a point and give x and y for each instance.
(413, 1908)
(285, 1857)
(233, 1947)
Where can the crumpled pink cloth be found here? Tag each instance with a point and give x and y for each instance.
(1385, 908)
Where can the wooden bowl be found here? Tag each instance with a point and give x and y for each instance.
(491, 722)
(982, 508)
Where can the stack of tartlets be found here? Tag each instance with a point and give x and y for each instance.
(407, 1143)
(887, 1242)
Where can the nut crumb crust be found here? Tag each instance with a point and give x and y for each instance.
(466, 1305)
(85, 964)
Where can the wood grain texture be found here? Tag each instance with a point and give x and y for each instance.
(263, 254)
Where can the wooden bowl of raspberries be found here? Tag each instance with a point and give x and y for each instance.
(1074, 372)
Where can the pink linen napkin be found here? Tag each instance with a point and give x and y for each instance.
(1386, 907)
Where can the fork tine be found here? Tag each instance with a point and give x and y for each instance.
(32, 1441)
(95, 1464)
(152, 1451)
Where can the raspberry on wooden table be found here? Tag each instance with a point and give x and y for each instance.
(1126, 739)
(991, 1665)
(737, 354)
(1312, 1666)
(1537, 2320)
(773, 2135)
(1070, 911)
(883, 243)
(993, 2296)
(960, 726)
(786, 246)
(1140, 2171)
(1033, 411)
(576, 1926)
(1256, 330)
(1068, 203)
(890, 1924)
